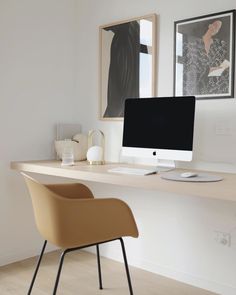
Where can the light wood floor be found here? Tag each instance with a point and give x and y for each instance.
(79, 276)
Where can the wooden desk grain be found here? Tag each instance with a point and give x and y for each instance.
(222, 190)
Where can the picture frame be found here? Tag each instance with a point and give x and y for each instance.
(127, 63)
(204, 56)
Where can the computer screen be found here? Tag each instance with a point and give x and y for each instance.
(159, 127)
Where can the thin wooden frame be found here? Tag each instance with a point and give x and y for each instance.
(204, 56)
(112, 108)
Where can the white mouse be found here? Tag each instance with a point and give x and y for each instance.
(188, 174)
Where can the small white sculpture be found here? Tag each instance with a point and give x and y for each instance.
(82, 140)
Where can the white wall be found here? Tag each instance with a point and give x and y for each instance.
(176, 232)
(49, 74)
(37, 90)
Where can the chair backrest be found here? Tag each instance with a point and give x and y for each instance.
(48, 202)
(68, 216)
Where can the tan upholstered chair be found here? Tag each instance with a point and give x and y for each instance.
(68, 216)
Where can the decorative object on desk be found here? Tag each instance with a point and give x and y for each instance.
(82, 144)
(200, 177)
(127, 63)
(78, 144)
(204, 56)
(95, 154)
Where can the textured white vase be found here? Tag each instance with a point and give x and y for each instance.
(78, 145)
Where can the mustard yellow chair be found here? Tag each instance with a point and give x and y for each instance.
(68, 216)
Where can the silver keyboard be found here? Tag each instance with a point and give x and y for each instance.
(132, 171)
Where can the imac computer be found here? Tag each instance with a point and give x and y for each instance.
(160, 128)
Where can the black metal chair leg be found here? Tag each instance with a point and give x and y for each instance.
(59, 270)
(126, 266)
(99, 268)
(37, 268)
(73, 249)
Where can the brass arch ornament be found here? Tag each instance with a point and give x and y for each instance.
(95, 154)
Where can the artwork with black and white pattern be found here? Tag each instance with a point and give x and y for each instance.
(204, 56)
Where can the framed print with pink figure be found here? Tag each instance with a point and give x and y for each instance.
(204, 54)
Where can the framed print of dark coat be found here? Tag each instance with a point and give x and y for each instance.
(127, 63)
(204, 54)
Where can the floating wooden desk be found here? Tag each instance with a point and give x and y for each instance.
(222, 190)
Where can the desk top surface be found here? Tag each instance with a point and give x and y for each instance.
(222, 190)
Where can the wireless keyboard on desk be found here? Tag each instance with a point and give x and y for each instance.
(132, 171)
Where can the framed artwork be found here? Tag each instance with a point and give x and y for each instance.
(204, 54)
(127, 63)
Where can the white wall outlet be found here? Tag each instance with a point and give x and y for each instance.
(223, 238)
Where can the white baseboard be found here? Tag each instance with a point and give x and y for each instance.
(197, 281)
(190, 279)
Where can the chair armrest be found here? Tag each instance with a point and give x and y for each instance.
(89, 221)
